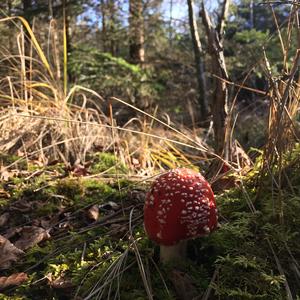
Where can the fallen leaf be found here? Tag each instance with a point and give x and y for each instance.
(137, 195)
(5, 175)
(30, 236)
(184, 285)
(12, 280)
(93, 213)
(8, 253)
(61, 283)
(22, 206)
(12, 232)
(4, 194)
(136, 162)
(79, 170)
(45, 223)
(118, 230)
(110, 205)
(4, 218)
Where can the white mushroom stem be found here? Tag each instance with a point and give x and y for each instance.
(173, 253)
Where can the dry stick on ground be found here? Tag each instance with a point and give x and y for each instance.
(220, 94)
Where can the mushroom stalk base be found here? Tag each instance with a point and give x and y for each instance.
(173, 253)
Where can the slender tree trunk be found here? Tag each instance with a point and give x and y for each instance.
(68, 43)
(10, 27)
(104, 29)
(223, 19)
(50, 9)
(199, 62)
(55, 43)
(170, 22)
(251, 14)
(220, 95)
(112, 26)
(27, 6)
(136, 32)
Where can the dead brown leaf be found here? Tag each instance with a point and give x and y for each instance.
(22, 206)
(12, 232)
(80, 170)
(4, 218)
(8, 253)
(184, 285)
(12, 280)
(135, 162)
(5, 174)
(61, 283)
(30, 236)
(4, 194)
(110, 205)
(118, 230)
(93, 213)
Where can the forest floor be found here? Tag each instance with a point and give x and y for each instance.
(78, 234)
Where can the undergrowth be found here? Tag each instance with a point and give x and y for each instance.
(251, 255)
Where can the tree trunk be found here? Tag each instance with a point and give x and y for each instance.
(219, 105)
(10, 27)
(199, 62)
(50, 9)
(27, 6)
(170, 22)
(136, 32)
(68, 76)
(104, 29)
(223, 19)
(251, 14)
(112, 27)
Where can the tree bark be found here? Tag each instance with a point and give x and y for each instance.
(50, 9)
(251, 14)
(112, 26)
(222, 19)
(136, 32)
(219, 105)
(10, 27)
(104, 29)
(199, 62)
(68, 42)
(27, 6)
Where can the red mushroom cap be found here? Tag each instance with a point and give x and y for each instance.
(179, 206)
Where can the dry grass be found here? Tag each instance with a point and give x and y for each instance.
(41, 120)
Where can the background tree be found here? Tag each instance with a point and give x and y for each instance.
(199, 62)
(136, 32)
(219, 103)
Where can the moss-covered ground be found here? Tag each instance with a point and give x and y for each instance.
(254, 254)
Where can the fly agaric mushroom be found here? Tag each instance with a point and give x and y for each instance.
(179, 206)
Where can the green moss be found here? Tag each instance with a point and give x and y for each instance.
(7, 159)
(93, 256)
(3, 202)
(108, 163)
(70, 188)
(5, 297)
